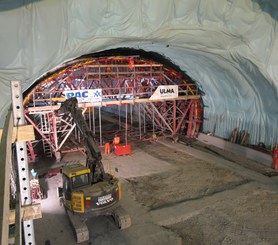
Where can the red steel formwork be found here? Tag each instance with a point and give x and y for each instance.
(125, 82)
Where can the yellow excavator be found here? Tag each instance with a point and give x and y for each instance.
(89, 191)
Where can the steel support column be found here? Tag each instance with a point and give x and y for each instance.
(22, 161)
(174, 116)
(190, 120)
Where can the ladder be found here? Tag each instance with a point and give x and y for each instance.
(44, 123)
(47, 148)
(45, 129)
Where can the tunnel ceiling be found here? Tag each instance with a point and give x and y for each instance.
(228, 47)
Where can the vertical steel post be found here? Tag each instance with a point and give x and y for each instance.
(94, 121)
(100, 129)
(131, 115)
(90, 121)
(144, 119)
(22, 161)
(153, 117)
(190, 120)
(126, 108)
(55, 136)
(174, 126)
(140, 131)
(119, 110)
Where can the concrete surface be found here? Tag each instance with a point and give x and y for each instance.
(236, 148)
(175, 194)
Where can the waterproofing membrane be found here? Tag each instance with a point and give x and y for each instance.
(228, 47)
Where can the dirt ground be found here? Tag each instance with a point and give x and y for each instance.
(175, 194)
(183, 182)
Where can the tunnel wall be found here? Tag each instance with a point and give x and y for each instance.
(228, 47)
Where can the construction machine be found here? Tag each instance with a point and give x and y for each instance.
(89, 191)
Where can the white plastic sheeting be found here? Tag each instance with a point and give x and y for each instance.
(228, 46)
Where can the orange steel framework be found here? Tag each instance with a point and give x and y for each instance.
(126, 82)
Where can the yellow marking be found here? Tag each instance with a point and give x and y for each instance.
(77, 202)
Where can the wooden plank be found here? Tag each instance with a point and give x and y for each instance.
(5, 160)
(27, 213)
(21, 133)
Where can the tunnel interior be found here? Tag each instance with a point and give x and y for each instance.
(121, 83)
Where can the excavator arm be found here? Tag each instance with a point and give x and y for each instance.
(93, 153)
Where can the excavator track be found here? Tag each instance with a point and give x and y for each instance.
(80, 228)
(122, 218)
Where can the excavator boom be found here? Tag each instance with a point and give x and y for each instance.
(93, 153)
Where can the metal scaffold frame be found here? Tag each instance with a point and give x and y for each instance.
(123, 81)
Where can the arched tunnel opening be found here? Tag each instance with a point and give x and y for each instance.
(134, 94)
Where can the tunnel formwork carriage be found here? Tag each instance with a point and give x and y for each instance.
(143, 99)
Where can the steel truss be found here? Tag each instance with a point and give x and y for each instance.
(170, 118)
(126, 82)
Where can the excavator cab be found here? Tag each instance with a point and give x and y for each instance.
(75, 177)
(80, 196)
